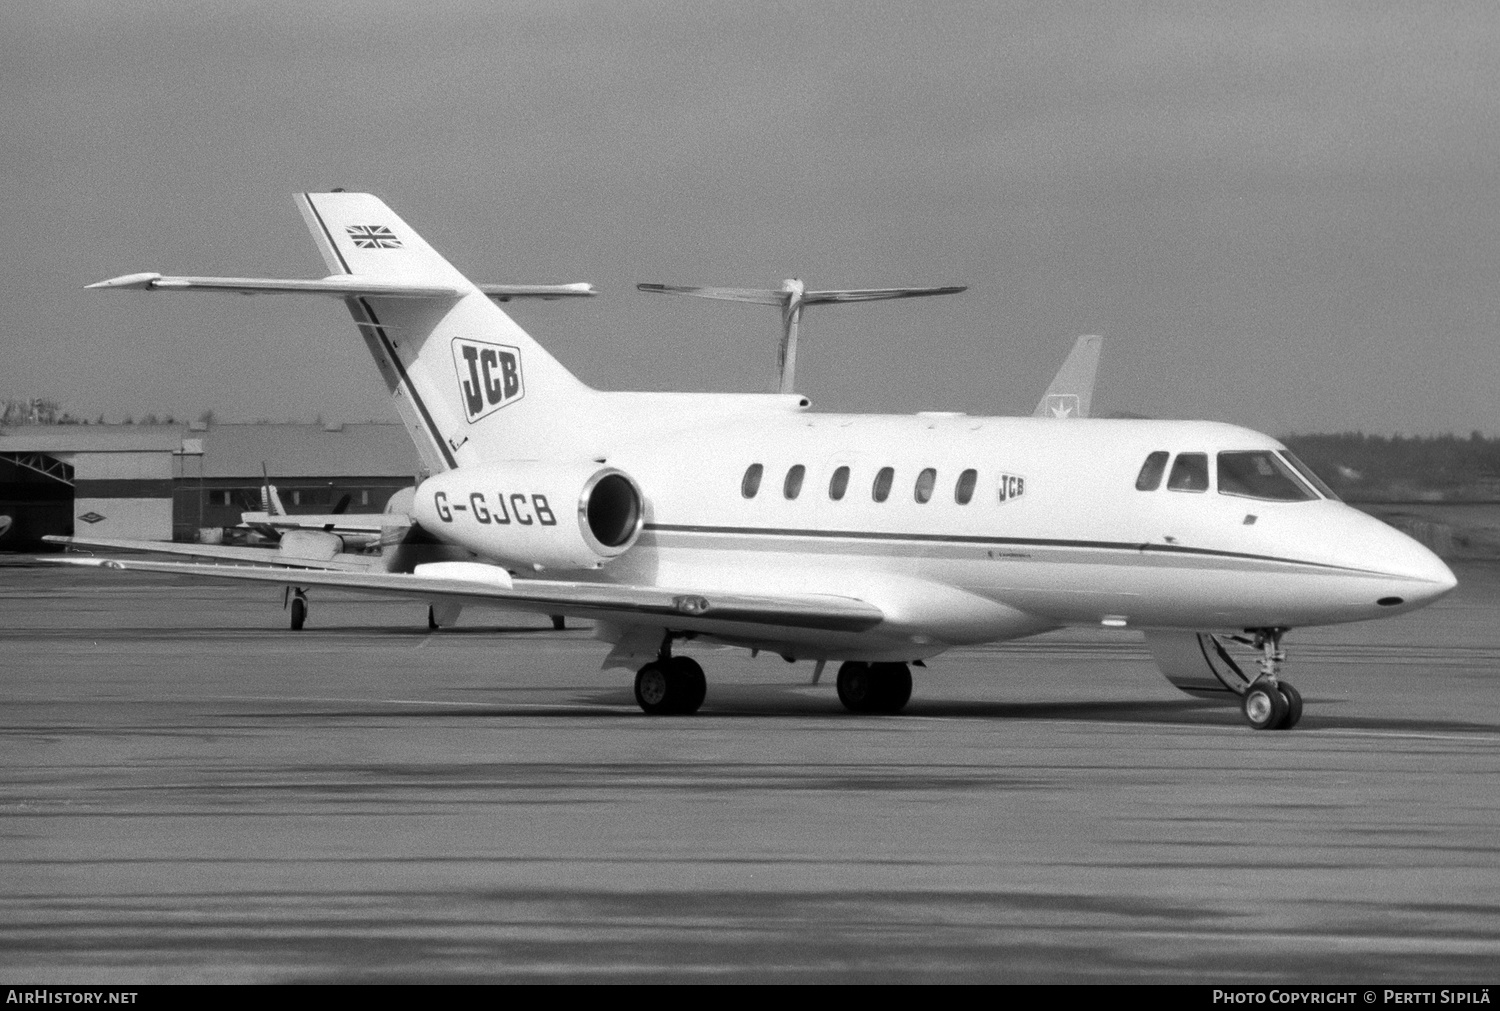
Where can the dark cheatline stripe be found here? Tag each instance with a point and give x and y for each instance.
(1011, 542)
(123, 488)
(385, 342)
(411, 389)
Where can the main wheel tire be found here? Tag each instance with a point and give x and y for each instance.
(432, 625)
(1264, 705)
(858, 687)
(688, 684)
(299, 613)
(1293, 706)
(894, 681)
(653, 689)
(559, 622)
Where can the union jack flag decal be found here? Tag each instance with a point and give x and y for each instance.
(373, 237)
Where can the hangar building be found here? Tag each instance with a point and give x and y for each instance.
(169, 482)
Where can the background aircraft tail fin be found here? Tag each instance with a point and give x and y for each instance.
(469, 383)
(1072, 389)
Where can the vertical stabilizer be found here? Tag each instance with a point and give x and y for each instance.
(1072, 389)
(469, 383)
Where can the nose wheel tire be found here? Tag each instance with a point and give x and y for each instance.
(1266, 706)
(1293, 705)
(874, 687)
(671, 687)
(299, 612)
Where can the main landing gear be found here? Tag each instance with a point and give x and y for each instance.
(296, 601)
(1270, 703)
(670, 685)
(874, 687)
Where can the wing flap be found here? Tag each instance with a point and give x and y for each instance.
(227, 552)
(681, 608)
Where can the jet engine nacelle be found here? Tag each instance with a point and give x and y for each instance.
(534, 515)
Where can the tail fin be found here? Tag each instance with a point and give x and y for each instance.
(469, 383)
(270, 500)
(1072, 389)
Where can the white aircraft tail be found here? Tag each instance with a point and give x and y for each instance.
(470, 384)
(1072, 391)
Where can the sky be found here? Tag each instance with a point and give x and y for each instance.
(1281, 216)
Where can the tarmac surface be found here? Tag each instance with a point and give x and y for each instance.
(194, 793)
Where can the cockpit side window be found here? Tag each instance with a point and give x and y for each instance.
(1151, 473)
(1308, 475)
(1189, 473)
(1261, 474)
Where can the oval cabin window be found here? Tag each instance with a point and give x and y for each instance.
(838, 484)
(751, 483)
(793, 485)
(926, 481)
(963, 492)
(881, 489)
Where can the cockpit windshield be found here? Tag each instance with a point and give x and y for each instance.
(1308, 475)
(1261, 474)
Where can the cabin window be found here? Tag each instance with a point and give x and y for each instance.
(926, 481)
(1308, 475)
(1189, 472)
(792, 487)
(881, 489)
(1149, 478)
(751, 484)
(838, 484)
(1261, 475)
(963, 492)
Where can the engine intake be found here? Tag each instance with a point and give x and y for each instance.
(536, 515)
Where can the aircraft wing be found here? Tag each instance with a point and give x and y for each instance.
(227, 552)
(338, 523)
(608, 601)
(1072, 389)
(760, 296)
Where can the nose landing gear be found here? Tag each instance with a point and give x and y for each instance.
(1270, 703)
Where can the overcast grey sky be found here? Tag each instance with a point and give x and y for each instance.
(1282, 216)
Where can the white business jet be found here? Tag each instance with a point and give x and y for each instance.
(872, 540)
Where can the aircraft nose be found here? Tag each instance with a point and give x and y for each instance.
(1427, 577)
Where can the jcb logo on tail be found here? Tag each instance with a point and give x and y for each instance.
(489, 375)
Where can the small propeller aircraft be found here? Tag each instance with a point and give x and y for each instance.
(872, 541)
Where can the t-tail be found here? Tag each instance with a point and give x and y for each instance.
(469, 383)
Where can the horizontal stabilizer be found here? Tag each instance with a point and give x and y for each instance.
(338, 286)
(341, 286)
(780, 296)
(610, 601)
(545, 292)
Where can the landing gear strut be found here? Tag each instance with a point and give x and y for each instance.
(874, 687)
(670, 685)
(1270, 703)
